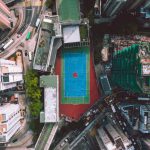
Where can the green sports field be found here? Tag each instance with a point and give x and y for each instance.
(68, 10)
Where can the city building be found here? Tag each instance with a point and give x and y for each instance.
(49, 41)
(112, 138)
(132, 5)
(145, 10)
(5, 16)
(138, 116)
(9, 121)
(130, 68)
(113, 7)
(10, 74)
(8, 1)
(145, 143)
(103, 133)
(50, 84)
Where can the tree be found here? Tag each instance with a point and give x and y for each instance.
(49, 3)
(35, 108)
(33, 92)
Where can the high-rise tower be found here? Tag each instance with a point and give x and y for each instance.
(5, 16)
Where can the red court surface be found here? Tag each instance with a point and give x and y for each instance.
(75, 111)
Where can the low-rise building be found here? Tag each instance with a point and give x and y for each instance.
(9, 121)
(49, 41)
(51, 98)
(10, 74)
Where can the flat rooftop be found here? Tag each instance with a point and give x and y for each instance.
(71, 34)
(68, 10)
(51, 98)
(50, 29)
(43, 48)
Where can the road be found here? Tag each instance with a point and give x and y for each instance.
(30, 17)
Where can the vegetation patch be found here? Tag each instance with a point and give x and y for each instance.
(33, 92)
(83, 32)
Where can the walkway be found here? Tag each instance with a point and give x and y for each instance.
(46, 136)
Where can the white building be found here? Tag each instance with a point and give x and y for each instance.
(9, 121)
(112, 138)
(10, 74)
(51, 98)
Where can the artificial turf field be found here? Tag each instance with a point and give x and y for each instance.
(68, 10)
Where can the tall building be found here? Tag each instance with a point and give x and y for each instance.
(112, 7)
(138, 116)
(5, 16)
(9, 121)
(8, 1)
(10, 74)
(130, 68)
(134, 4)
(145, 10)
(112, 138)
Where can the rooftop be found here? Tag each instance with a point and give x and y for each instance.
(49, 31)
(51, 102)
(71, 34)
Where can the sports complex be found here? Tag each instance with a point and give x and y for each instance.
(78, 88)
(72, 65)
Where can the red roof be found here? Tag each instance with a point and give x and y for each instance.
(75, 111)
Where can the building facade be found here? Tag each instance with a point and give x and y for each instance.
(112, 7)
(112, 138)
(130, 68)
(138, 116)
(5, 16)
(10, 74)
(9, 121)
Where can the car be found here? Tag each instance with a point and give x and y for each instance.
(15, 140)
(87, 123)
(62, 144)
(18, 35)
(88, 113)
(66, 140)
(26, 53)
(124, 124)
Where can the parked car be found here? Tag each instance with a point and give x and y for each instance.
(26, 53)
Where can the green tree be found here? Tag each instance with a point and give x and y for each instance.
(35, 108)
(33, 92)
(49, 3)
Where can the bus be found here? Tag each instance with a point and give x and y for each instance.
(37, 22)
(8, 44)
(28, 36)
(30, 56)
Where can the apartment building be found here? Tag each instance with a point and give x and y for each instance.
(5, 16)
(10, 74)
(9, 121)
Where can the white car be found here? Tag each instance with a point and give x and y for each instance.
(86, 124)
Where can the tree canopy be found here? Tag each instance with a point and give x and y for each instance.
(33, 92)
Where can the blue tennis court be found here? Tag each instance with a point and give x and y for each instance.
(75, 76)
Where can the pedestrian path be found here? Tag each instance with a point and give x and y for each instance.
(46, 136)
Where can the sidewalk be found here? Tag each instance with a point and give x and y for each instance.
(23, 142)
